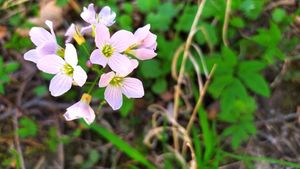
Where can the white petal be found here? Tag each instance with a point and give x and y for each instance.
(79, 76)
(102, 35)
(89, 14)
(50, 64)
(120, 64)
(39, 35)
(71, 55)
(89, 116)
(141, 33)
(144, 53)
(50, 25)
(60, 84)
(86, 29)
(31, 55)
(121, 40)
(132, 87)
(106, 78)
(107, 16)
(98, 58)
(47, 48)
(72, 111)
(113, 96)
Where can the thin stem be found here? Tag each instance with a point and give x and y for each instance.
(85, 49)
(182, 68)
(266, 159)
(225, 25)
(99, 72)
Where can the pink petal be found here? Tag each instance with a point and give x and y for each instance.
(47, 48)
(31, 55)
(50, 64)
(132, 88)
(89, 116)
(141, 33)
(102, 35)
(106, 78)
(71, 55)
(71, 31)
(39, 35)
(107, 16)
(86, 29)
(50, 25)
(60, 84)
(89, 14)
(73, 111)
(144, 54)
(113, 96)
(79, 76)
(121, 40)
(120, 63)
(98, 58)
(149, 41)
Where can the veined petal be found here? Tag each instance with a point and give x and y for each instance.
(51, 64)
(107, 16)
(141, 33)
(31, 55)
(132, 88)
(89, 14)
(120, 63)
(39, 35)
(98, 58)
(47, 48)
(72, 111)
(144, 53)
(71, 31)
(106, 78)
(60, 84)
(149, 41)
(113, 96)
(102, 35)
(89, 116)
(122, 40)
(79, 76)
(71, 55)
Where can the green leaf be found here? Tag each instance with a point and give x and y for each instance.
(127, 106)
(160, 86)
(62, 2)
(278, 15)
(122, 145)
(11, 67)
(218, 85)
(28, 128)
(185, 21)
(127, 7)
(150, 69)
(2, 88)
(40, 90)
(251, 66)
(237, 22)
(256, 83)
(125, 22)
(229, 56)
(92, 160)
(252, 8)
(268, 38)
(147, 5)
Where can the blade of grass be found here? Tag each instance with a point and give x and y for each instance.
(122, 145)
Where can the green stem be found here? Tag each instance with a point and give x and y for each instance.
(99, 72)
(266, 159)
(86, 49)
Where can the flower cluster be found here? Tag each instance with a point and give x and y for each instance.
(116, 54)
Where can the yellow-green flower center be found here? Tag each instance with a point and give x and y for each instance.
(116, 81)
(107, 50)
(68, 69)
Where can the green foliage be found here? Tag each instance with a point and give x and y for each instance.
(62, 2)
(127, 106)
(94, 156)
(278, 15)
(5, 70)
(147, 5)
(28, 128)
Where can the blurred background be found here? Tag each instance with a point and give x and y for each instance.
(248, 117)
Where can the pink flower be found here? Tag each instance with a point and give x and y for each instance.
(66, 71)
(110, 49)
(106, 17)
(44, 41)
(81, 109)
(146, 44)
(117, 85)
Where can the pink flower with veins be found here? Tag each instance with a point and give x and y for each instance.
(66, 71)
(117, 85)
(146, 44)
(44, 41)
(81, 109)
(110, 49)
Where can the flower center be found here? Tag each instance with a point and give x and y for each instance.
(107, 51)
(68, 69)
(116, 81)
